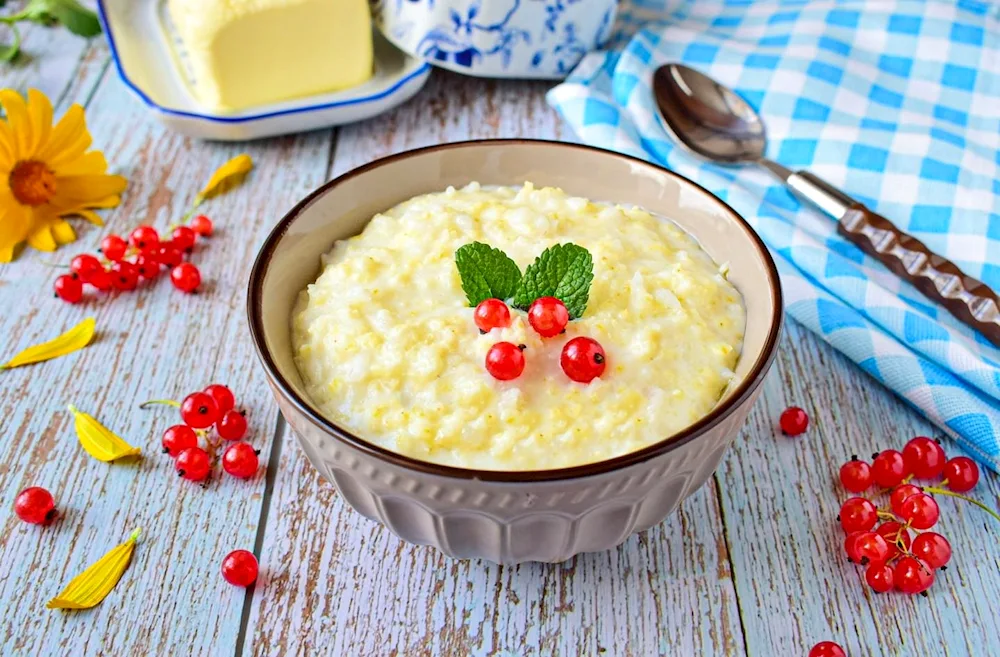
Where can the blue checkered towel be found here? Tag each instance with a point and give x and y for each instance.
(898, 104)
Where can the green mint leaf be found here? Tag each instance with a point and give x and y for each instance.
(486, 273)
(563, 271)
(75, 17)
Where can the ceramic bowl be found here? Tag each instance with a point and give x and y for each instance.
(498, 38)
(510, 517)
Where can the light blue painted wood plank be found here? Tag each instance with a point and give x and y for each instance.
(155, 342)
(781, 497)
(340, 584)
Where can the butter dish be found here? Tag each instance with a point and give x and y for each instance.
(150, 61)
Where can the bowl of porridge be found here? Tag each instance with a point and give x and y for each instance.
(514, 350)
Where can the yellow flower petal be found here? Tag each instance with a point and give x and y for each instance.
(40, 115)
(81, 190)
(63, 232)
(15, 221)
(17, 119)
(72, 340)
(98, 440)
(87, 164)
(40, 237)
(90, 587)
(226, 177)
(7, 150)
(64, 135)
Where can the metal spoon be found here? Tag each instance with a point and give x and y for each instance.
(715, 123)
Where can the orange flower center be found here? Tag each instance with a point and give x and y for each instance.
(32, 183)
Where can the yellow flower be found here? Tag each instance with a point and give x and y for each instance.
(46, 173)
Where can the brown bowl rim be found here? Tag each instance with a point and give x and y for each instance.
(671, 442)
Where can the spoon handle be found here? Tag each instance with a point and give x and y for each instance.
(968, 299)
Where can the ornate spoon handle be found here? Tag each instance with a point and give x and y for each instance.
(968, 299)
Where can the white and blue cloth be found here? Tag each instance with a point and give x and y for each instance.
(895, 102)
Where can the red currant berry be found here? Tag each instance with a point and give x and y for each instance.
(144, 237)
(240, 460)
(911, 575)
(169, 255)
(239, 568)
(851, 545)
(231, 426)
(185, 277)
(491, 314)
(199, 411)
(924, 458)
(856, 476)
(888, 468)
(793, 421)
(124, 276)
(920, 511)
(183, 238)
(899, 495)
(35, 505)
(858, 514)
(85, 266)
(69, 288)
(102, 281)
(894, 534)
(178, 438)
(193, 464)
(548, 316)
(202, 225)
(879, 577)
(871, 547)
(583, 359)
(223, 396)
(961, 474)
(505, 361)
(147, 266)
(113, 248)
(933, 549)
(827, 649)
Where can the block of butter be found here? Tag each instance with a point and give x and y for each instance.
(244, 53)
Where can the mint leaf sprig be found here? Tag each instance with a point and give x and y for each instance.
(563, 271)
(486, 273)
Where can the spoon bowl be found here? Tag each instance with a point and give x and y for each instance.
(707, 118)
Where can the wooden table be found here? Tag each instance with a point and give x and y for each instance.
(751, 564)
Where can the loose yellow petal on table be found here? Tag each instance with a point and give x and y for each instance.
(91, 586)
(98, 440)
(72, 340)
(225, 178)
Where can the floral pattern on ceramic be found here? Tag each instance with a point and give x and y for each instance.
(498, 38)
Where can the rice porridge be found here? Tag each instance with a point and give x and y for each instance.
(388, 349)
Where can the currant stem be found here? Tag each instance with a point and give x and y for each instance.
(945, 491)
(165, 402)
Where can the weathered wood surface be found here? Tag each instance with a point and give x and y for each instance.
(749, 565)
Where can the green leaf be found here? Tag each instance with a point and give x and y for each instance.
(75, 17)
(564, 271)
(9, 53)
(486, 273)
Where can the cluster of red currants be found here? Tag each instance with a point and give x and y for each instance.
(582, 358)
(215, 405)
(142, 257)
(879, 538)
